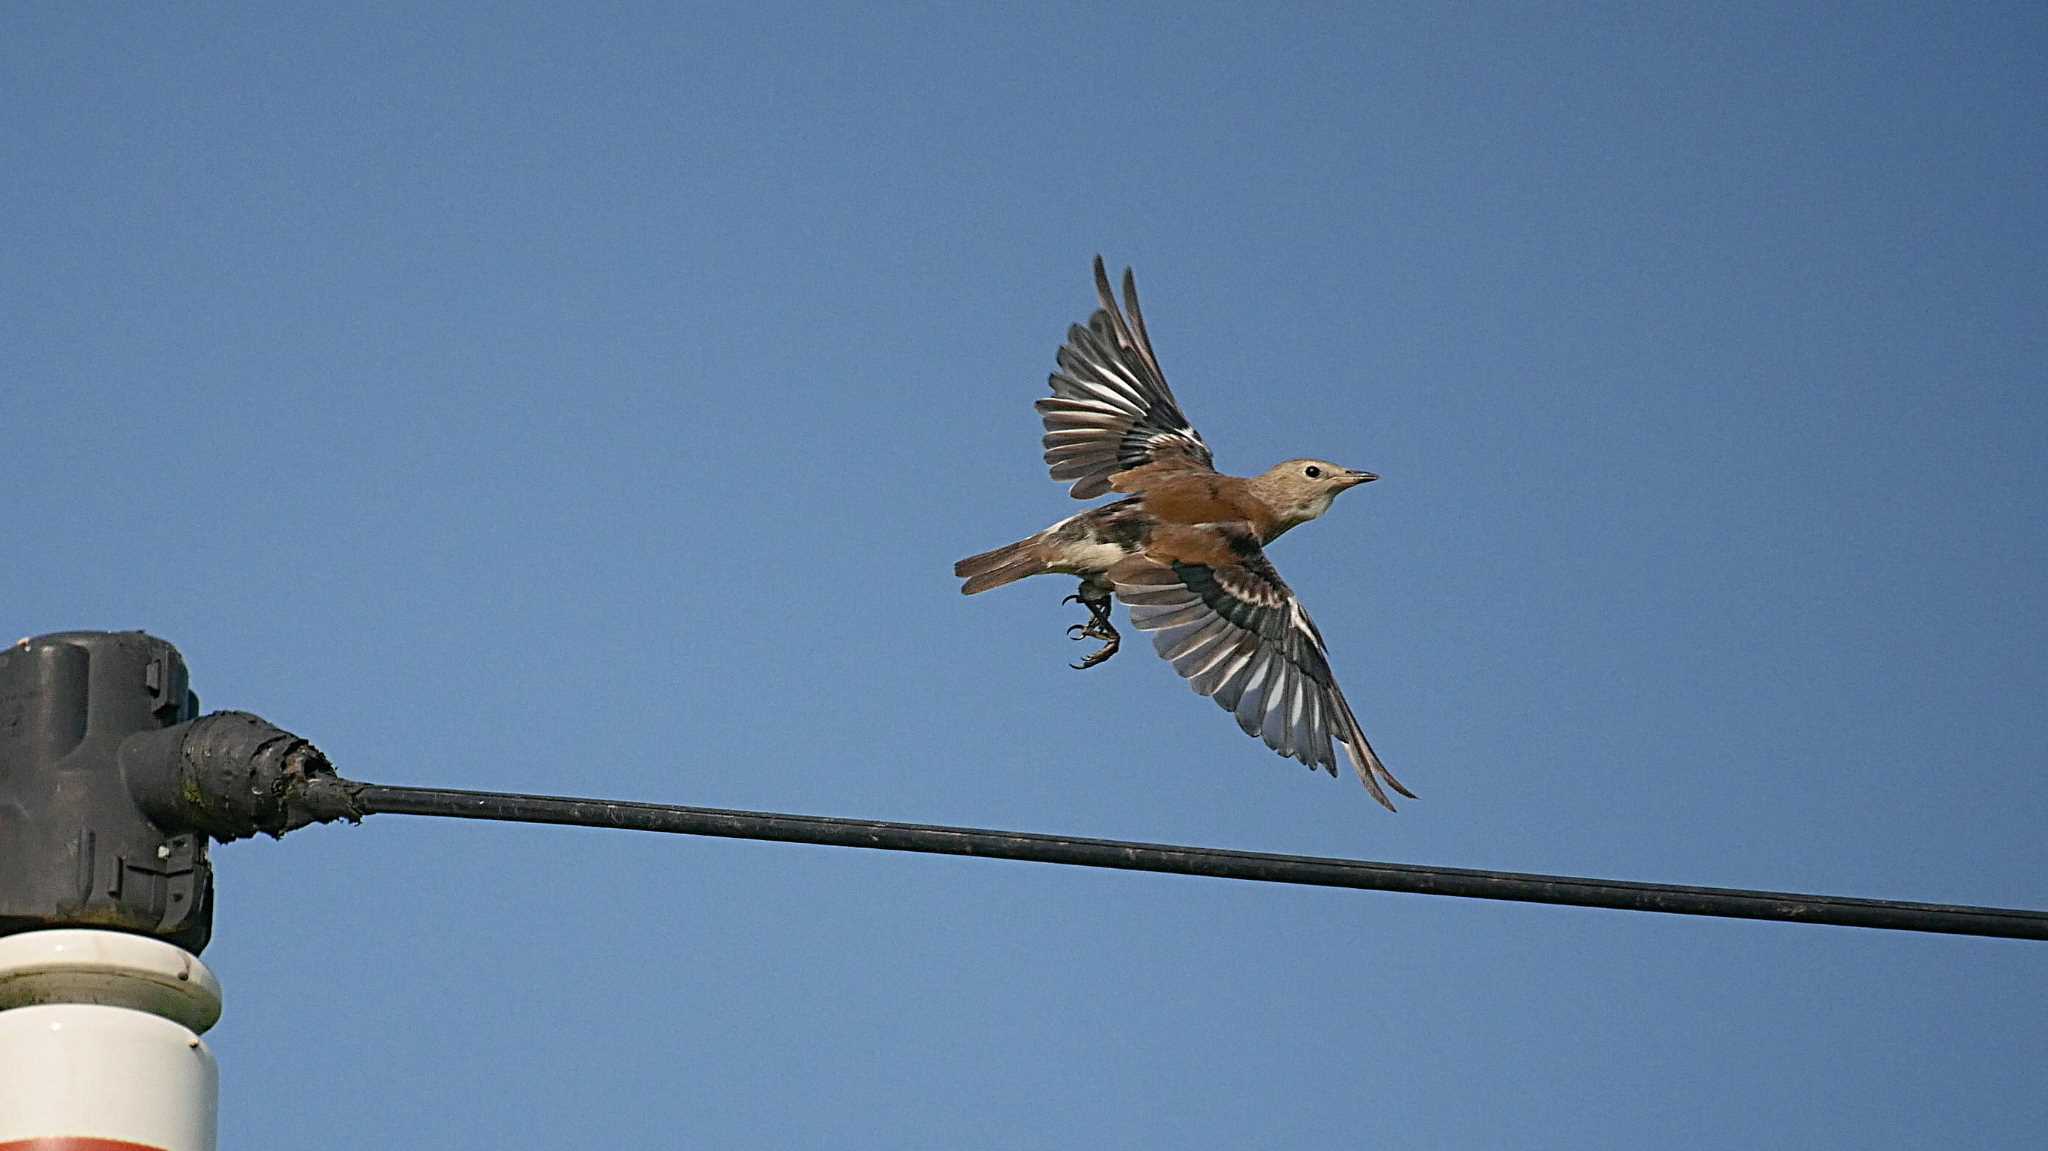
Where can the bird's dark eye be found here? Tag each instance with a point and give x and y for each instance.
(1313, 472)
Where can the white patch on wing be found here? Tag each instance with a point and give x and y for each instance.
(1300, 621)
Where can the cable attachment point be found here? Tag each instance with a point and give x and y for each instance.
(230, 775)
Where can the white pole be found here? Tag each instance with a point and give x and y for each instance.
(99, 1043)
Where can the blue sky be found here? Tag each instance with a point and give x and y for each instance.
(594, 402)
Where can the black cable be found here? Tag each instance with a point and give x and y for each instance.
(1622, 895)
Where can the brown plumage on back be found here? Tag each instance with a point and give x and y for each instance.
(1185, 550)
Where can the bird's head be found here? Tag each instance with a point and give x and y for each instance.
(1301, 490)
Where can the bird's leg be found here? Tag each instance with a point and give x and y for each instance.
(1097, 627)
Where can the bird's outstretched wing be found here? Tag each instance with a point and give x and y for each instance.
(1233, 629)
(1110, 409)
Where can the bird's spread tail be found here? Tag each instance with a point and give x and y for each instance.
(1006, 564)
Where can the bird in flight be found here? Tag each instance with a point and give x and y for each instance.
(1185, 550)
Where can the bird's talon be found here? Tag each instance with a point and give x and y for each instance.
(1094, 658)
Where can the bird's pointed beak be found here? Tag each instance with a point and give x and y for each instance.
(1354, 478)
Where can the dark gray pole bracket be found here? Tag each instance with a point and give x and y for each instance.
(111, 784)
